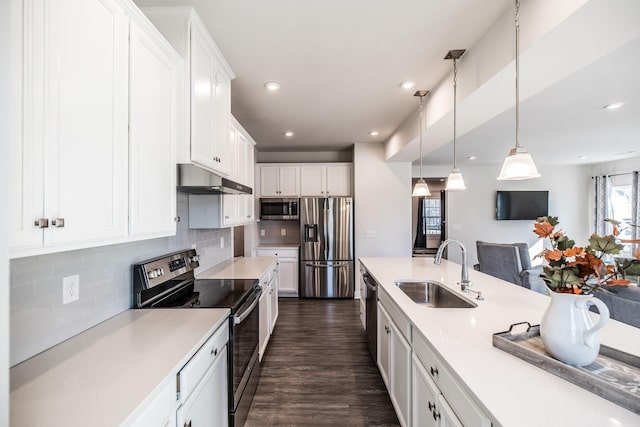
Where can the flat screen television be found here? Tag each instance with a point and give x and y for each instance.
(512, 205)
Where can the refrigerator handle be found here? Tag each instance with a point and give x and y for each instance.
(311, 232)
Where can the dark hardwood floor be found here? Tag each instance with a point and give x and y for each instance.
(317, 370)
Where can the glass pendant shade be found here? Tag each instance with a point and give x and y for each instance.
(455, 182)
(518, 165)
(421, 189)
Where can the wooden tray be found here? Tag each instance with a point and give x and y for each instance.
(615, 375)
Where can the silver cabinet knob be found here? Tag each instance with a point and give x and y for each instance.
(41, 223)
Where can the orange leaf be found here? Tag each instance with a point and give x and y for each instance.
(554, 255)
(543, 229)
(637, 253)
(576, 250)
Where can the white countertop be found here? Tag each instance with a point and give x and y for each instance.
(100, 376)
(514, 392)
(239, 268)
(277, 246)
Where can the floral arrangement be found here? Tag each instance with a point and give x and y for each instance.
(582, 270)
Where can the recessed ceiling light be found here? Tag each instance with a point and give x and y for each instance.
(374, 133)
(408, 84)
(471, 157)
(613, 106)
(272, 86)
(288, 133)
(582, 157)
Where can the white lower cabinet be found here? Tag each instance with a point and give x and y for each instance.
(207, 406)
(424, 397)
(268, 307)
(287, 269)
(273, 297)
(202, 384)
(263, 335)
(394, 361)
(454, 406)
(160, 411)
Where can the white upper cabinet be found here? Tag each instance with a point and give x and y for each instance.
(305, 180)
(279, 181)
(154, 78)
(206, 96)
(69, 165)
(325, 180)
(93, 152)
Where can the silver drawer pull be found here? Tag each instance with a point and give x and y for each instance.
(41, 223)
(434, 371)
(57, 222)
(214, 351)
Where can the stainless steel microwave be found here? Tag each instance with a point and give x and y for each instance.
(282, 209)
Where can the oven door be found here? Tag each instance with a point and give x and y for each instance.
(245, 330)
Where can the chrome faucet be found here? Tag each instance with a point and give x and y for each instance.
(465, 283)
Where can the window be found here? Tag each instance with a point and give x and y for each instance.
(431, 216)
(621, 204)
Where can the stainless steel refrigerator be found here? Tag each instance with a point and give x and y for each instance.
(326, 247)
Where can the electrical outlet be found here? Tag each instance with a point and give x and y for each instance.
(283, 231)
(70, 289)
(262, 232)
(221, 242)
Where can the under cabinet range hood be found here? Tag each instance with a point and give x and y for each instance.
(195, 180)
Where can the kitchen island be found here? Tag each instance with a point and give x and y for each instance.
(510, 391)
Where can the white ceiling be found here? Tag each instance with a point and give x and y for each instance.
(339, 62)
(566, 120)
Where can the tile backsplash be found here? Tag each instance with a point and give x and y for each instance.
(38, 318)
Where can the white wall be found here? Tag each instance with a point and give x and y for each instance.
(4, 264)
(382, 204)
(471, 213)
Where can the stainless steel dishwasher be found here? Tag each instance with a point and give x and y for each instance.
(371, 307)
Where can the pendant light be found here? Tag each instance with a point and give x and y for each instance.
(518, 165)
(455, 182)
(421, 189)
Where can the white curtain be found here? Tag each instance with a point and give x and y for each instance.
(602, 210)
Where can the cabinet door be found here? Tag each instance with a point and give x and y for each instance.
(229, 209)
(202, 100)
(265, 318)
(222, 107)
(338, 180)
(235, 150)
(312, 180)
(26, 161)
(269, 181)
(207, 405)
(384, 332)
(424, 397)
(400, 375)
(447, 417)
(152, 137)
(85, 121)
(288, 276)
(289, 181)
(273, 295)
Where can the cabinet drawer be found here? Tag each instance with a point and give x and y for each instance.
(278, 253)
(403, 324)
(462, 405)
(197, 366)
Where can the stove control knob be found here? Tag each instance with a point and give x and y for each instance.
(194, 258)
(151, 274)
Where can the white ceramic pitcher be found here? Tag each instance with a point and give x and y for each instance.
(567, 330)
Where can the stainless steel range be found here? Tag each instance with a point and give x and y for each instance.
(169, 281)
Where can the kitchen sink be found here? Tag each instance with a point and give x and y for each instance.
(433, 294)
